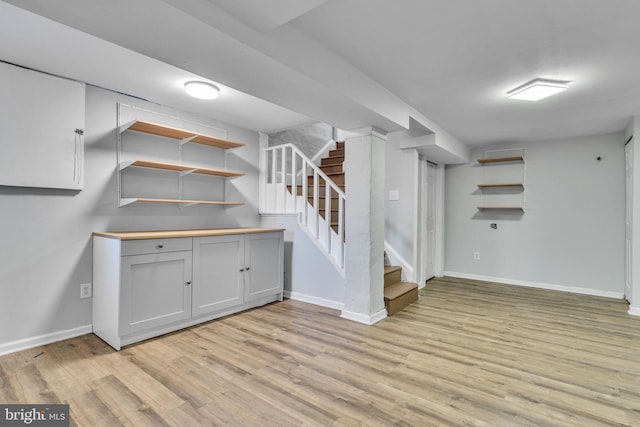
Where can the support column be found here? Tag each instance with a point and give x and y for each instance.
(364, 226)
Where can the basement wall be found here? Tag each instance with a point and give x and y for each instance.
(46, 248)
(401, 175)
(571, 235)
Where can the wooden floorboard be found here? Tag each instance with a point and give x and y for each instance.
(467, 353)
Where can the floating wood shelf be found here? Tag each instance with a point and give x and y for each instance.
(519, 208)
(179, 168)
(183, 202)
(508, 184)
(180, 134)
(501, 159)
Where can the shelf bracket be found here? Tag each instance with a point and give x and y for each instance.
(125, 126)
(126, 201)
(187, 172)
(124, 165)
(186, 140)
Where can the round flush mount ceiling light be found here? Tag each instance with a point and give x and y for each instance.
(201, 90)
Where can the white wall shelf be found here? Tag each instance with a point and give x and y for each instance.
(182, 137)
(502, 180)
(497, 185)
(501, 159)
(183, 169)
(179, 134)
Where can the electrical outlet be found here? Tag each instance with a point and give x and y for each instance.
(85, 290)
(476, 256)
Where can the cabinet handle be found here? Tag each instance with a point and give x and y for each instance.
(160, 246)
(189, 282)
(241, 270)
(247, 269)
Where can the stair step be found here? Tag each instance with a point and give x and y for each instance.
(336, 160)
(399, 295)
(339, 145)
(392, 274)
(329, 169)
(321, 191)
(336, 177)
(337, 153)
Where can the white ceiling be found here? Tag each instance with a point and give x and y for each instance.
(444, 64)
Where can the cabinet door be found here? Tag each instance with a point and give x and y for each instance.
(264, 254)
(156, 290)
(39, 115)
(217, 278)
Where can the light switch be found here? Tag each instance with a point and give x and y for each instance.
(394, 195)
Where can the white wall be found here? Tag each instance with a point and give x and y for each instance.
(45, 249)
(309, 275)
(401, 173)
(633, 130)
(571, 235)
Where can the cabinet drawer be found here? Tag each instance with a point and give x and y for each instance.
(152, 246)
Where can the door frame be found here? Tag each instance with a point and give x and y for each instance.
(421, 240)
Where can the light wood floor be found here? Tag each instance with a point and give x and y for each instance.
(468, 353)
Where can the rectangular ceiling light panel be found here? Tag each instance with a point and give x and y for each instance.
(538, 89)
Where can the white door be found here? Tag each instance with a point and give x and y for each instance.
(629, 217)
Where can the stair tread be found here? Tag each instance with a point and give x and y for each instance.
(388, 269)
(398, 289)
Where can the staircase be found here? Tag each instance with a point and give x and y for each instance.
(333, 167)
(293, 184)
(397, 294)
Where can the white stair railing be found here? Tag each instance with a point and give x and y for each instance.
(293, 184)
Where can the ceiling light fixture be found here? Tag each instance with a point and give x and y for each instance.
(201, 90)
(538, 89)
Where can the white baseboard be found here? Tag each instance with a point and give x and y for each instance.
(27, 343)
(550, 286)
(364, 318)
(314, 300)
(634, 311)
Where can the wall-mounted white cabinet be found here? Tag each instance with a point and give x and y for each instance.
(149, 283)
(42, 122)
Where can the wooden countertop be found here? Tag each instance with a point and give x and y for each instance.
(164, 234)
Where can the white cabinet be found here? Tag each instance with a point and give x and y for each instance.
(216, 273)
(41, 117)
(263, 269)
(232, 270)
(156, 290)
(148, 284)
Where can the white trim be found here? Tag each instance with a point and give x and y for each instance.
(363, 318)
(634, 311)
(407, 269)
(418, 211)
(27, 343)
(440, 220)
(549, 286)
(314, 300)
